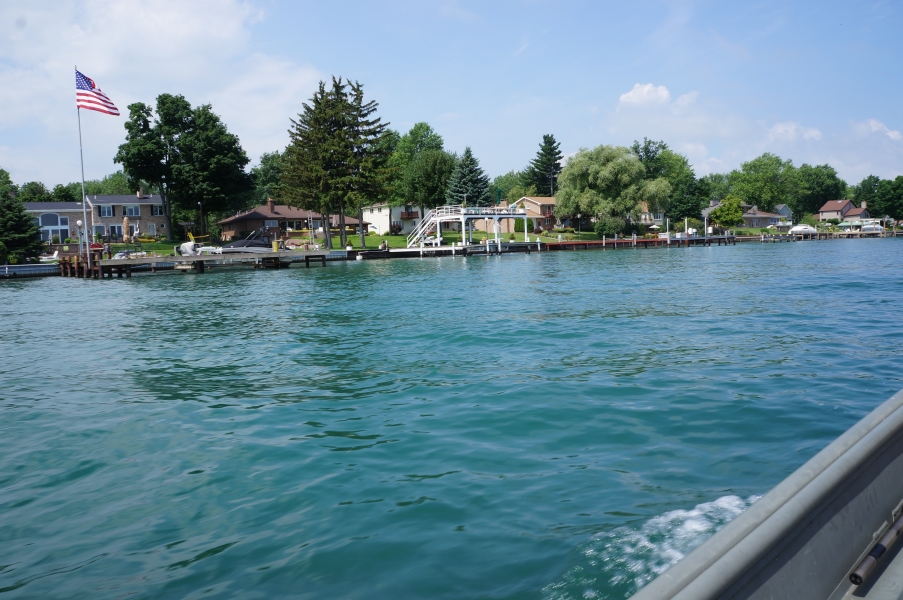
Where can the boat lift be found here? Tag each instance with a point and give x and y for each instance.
(466, 215)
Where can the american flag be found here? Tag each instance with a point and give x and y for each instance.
(89, 96)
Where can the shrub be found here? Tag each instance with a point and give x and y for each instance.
(511, 238)
(609, 226)
(537, 230)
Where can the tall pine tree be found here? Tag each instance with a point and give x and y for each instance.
(544, 169)
(337, 156)
(18, 231)
(468, 183)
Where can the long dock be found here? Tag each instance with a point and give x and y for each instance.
(76, 266)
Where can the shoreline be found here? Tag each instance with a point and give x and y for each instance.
(76, 267)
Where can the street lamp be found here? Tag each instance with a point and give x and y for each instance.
(579, 216)
(78, 226)
(201, 218)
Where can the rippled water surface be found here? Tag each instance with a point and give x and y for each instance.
(562, 425)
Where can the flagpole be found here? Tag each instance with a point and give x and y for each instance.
(84, 196)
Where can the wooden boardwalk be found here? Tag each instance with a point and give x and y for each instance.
(77, 266)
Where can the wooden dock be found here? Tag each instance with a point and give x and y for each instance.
(77, 266)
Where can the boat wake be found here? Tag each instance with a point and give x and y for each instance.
(617, 563)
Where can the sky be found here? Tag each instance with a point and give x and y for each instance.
(814, 82)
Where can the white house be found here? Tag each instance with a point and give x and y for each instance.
(394, 220)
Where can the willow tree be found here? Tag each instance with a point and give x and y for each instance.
(607, 182)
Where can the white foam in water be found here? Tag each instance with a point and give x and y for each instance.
(617, 563)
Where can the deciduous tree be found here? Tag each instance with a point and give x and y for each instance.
(729, 213)
(766, 181)
(187, 154)
(426, 178)
(420, 138)
(818, 184)
(888, 199)
(607, 181)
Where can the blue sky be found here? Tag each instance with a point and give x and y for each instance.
(721, 82)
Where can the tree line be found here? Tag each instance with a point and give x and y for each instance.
(342, 157)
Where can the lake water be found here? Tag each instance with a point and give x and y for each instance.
(556, 425)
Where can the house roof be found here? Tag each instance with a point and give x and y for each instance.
(53, 206)
(281, 212)
(855, 212)
(834, 205)
(540, 199)
(777, 207)
(755, 212)
(95, 199)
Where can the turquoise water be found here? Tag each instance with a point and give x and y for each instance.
(563, 425)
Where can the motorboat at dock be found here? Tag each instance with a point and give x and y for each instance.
(258, 241)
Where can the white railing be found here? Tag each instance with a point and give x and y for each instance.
(422, 228)
(455, 213)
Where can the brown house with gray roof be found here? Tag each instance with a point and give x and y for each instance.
(281, 216)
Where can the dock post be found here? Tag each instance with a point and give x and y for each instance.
(200, 266)
(323, 259)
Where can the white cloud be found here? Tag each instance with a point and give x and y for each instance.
(645, 95)
(687, 99)
(136, 50)
(876, 126)
(792, 131)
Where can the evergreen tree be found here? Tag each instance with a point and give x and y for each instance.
(371, 139)
(314, 165)
(468, 183)
(337, 156)
(18, 230)
(542, 174)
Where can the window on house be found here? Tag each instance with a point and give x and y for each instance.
(271, 223)
(100, 230)
(132, 211)
(157, 210)
(105, 211)
(116, 232)
(49, 220)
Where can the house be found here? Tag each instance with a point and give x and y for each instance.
(835, 209)
(105, 214)
(786, 214)
(650, 218)
(56, 219)
(857, 214)
(395, 220)
(540, 214)
(278, 216)
(145, 214)
(752, 216)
